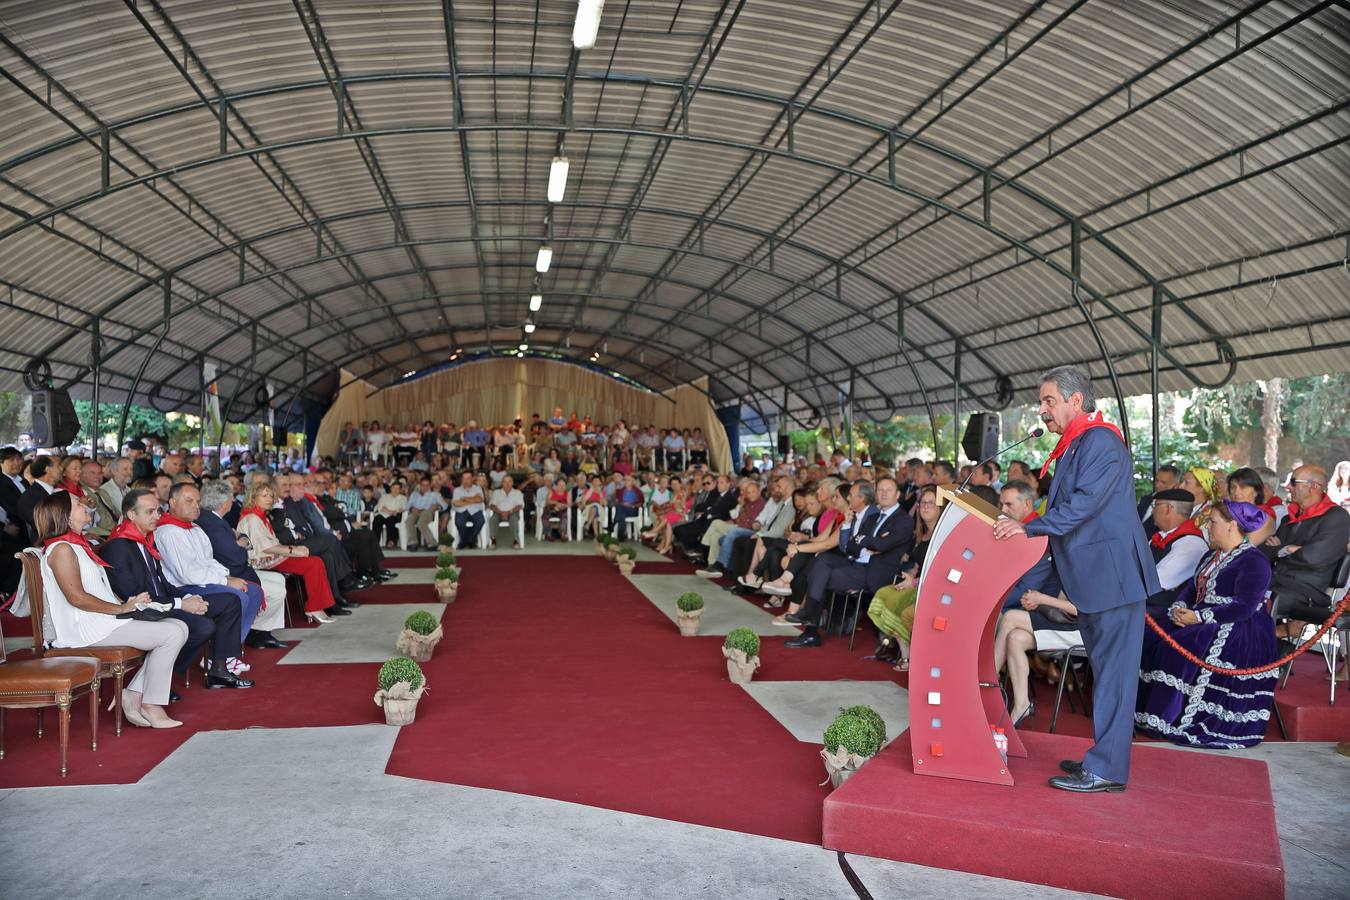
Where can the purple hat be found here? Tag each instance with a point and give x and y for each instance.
(1248, 517)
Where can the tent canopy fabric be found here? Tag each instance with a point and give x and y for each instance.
(784, 198)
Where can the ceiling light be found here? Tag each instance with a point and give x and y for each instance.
(536, 301)
(541, 262)
(524, 347)
(529, 328)
(557, 179)
(520, 354)
(588, 23)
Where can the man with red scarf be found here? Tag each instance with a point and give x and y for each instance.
(1099, 553)
(1177, 546)
(1305, 550)
(135, 568)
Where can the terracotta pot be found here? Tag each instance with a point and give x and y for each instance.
(611, 553)
(445, 548)
(626, 565)
(739, 669)
(400, 702)
(446, 590)
(419, 647)
(688, 621)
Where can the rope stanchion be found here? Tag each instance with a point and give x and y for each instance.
(1254, 670)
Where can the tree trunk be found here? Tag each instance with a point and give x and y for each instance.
(1271, 422)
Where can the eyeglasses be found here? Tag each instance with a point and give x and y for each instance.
(1303, 481)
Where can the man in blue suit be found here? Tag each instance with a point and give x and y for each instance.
(1102, 559)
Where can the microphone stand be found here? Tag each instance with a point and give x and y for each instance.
(1035, 433)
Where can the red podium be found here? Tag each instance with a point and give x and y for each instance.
(953, 688)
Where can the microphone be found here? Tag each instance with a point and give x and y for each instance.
(1034, 433)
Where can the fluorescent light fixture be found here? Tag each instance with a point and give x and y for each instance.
(536, 301)
(557, 179)
(529, 328)
(542, 261)
(588, 23)
(524, 347)
(520, 354)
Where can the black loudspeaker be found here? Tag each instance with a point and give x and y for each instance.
(981, 438)
(784, 445)
(280, 437)
(54, 421)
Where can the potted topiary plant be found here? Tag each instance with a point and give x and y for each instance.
(445, 543)
(689, 613)
(611, 547)
(854, 737)
(741, 648)
(447, 584)
(627, 560)
(401, 686)
(445, 559)
(421, 633)
(602, 541)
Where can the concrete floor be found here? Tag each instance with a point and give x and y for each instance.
(722, 611)
(309, 812)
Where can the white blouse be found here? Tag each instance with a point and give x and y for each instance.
(76, 627)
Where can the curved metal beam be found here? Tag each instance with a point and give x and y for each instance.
(317, 140)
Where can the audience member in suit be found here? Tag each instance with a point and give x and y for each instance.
(230, 551)
(1167, 478)
(103, 515)
(46, 471)
(1306, 550)
(871, 550)
(135, 568)
(717, 507)
(292, 528)
(190, 564)
(302, 504)
(1102, 560)
(13, 532)
(142, 466)
(362, 544)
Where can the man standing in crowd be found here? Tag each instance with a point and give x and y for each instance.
(1101, 557)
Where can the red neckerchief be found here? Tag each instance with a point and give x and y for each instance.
(1321, 507)
(1270, 506)
(125, 529)
(1187, 527)
(169, 519)
(315, 500)
(260, 513)
(1074, 431)
(79, 541)
(1031, 515)
(70, 487)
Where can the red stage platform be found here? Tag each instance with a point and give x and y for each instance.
(1191, 824)
(1303, 703)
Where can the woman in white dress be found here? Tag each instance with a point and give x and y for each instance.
(375, 439)
(84, 610)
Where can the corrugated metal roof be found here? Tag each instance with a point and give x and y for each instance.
(773, 194)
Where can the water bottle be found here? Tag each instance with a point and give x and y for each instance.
(1001, 744)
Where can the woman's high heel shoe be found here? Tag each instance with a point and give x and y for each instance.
(1026, 714)
(133, 714)
(320, 618)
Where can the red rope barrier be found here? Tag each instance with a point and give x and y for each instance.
(1254, 670)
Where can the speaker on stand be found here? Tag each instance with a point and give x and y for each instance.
(980, 440)
(54, 421)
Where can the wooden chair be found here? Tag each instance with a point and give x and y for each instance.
(39, 683)
(114, 661)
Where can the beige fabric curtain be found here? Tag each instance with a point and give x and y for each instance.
(498, 391)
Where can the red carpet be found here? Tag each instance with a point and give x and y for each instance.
(572, 685)
(1195, 819)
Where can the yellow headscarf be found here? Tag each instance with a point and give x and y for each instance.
(1206, 479)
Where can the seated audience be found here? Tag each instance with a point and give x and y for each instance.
(1177, 544)
(871, 547)
(135, 568)
(1245, 485)
(423, 506)
(266, 552)
(1220, 616)
(294, 525)
(1305, 551)
(751, 504)
(389, 511)
(469, 507)
(229, 550)
(190, 564)
(507, 505)
(85, 612)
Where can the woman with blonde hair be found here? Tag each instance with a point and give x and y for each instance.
(266, 552)
(1200, 482)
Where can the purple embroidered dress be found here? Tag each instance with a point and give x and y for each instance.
(1187, 704)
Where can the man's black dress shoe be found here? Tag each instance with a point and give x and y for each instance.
(1085, 783)
(1070, 766)
(337, 610)
(215, 680)
(806, 640)
(174, 696)
(387, 575)
(348, 603)
(793, 618)
(263, 640)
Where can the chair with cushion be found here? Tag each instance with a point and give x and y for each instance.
(114, 661)
(39, 683)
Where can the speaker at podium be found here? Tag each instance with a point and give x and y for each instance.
(980, 440)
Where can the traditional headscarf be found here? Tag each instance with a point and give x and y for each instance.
(1248, 516)
(1206, 479)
